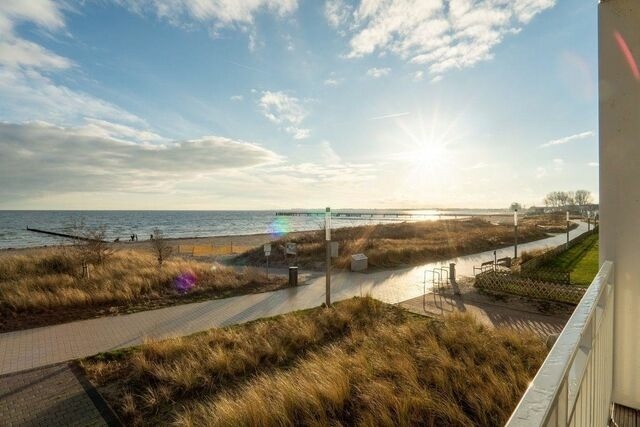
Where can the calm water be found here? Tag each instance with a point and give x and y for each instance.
(13, 224)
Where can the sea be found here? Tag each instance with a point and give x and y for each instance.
(181, 224)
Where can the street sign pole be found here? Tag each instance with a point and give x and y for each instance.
(515, 230)
(567, 229)
(327, 225)
(267, 253)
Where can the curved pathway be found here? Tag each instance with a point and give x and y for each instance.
(47, 345)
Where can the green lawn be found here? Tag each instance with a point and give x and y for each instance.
(581, 260)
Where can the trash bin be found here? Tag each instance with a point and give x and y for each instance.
(359, 262)
(293, 276)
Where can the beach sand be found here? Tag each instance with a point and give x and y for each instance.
(237, 242)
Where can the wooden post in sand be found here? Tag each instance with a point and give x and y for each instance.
(327, 232)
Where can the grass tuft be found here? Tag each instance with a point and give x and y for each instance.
(396, 245)
(50, 281)
(359, 363)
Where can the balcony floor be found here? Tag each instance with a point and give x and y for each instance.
(625, 417)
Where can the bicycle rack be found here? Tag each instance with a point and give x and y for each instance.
(435, 272)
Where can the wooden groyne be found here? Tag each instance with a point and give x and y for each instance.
(54, 233)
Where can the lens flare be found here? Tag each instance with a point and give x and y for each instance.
(185, 282)
(626, 52)
(279, 227)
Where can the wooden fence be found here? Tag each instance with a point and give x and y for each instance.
(514, 283)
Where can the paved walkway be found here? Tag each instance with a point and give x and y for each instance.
(513, 311)
(48, 396)
(32, 348)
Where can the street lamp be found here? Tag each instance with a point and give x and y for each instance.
(515, 231)
(327, 233)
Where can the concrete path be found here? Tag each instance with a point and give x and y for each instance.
(32, 348)
(48, 396)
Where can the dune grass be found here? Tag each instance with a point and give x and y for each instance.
(359, 363)
(47, 285)
(402, 244)
(581, 260)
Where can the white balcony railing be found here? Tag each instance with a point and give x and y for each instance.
(573, 385)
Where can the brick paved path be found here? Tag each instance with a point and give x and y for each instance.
(49, 396)
(32, 348)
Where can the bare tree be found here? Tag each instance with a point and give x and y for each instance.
(583, 197)
(515, 206)
(160, 246)
(92, 244)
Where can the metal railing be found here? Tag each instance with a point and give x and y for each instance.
(573, 385)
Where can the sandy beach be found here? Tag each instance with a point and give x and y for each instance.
(238, 241)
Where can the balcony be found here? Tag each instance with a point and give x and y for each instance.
(574, 384)
(591, 376)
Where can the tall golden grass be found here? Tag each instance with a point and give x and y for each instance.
(360, 363)
(52, 279)
(394, 245)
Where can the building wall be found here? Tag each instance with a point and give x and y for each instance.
(619, 25)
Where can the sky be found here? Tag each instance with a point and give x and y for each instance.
(273, 104)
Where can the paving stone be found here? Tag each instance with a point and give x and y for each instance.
(48, 396)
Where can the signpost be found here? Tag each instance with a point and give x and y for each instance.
(567, 229)
(291, 249)
(515, 230)
(267, 252)
(327, 228)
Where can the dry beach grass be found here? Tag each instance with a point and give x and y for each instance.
(359, 363)
(48, 285)
(407, 243)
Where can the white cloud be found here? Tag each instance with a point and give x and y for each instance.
(35, 96)
(337, 12)
(25, 68)
(541, 172)
(37, 158)
(567, 139)
(328, 154)
(390, 116)
(376, 73)
(236, 98)
(284, 109)
(105, 129)
(16, 52)
(44, 13)
(418, 75)
(298, 133)
(558, 165)
(442, 35)
(593, 164)
(332, 82)
(220, 13)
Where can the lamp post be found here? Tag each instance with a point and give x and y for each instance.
(515, 231)
(327, 229)
(567, 229)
